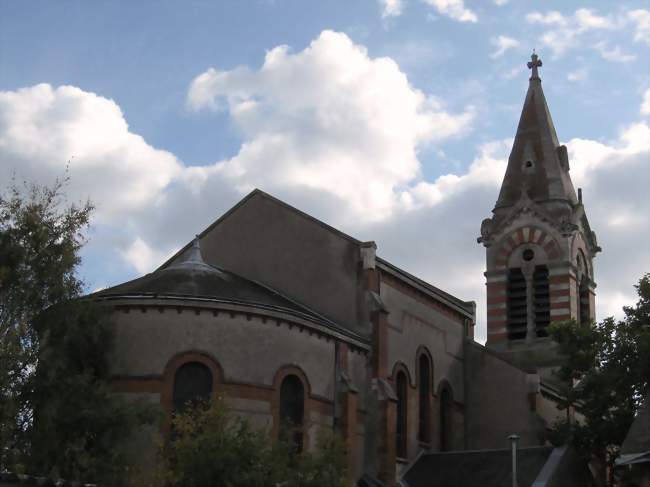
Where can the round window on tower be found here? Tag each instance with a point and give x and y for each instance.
(528, 255)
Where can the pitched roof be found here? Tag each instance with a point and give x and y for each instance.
(537, 163)
(637, 442)
(478, 468)
(464, 307)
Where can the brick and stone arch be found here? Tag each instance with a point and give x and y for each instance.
(188, 376)
(401, 380)
(446, 398)
(525, 255)
(291, 406)
(528, 237)
(424, 380)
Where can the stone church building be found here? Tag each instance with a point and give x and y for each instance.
(288, 318)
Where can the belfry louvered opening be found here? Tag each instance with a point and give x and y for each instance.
(516, 304)
(541, 300)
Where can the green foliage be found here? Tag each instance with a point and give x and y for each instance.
(607, 370)
(40, 238)
(57, 415)
(212, 447)
(79, 426)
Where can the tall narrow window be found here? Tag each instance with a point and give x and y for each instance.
(292, 411)
(400, 430)
(517, 315)
(424, 391)
(192, 382)
(584, 308)
(446, 411)
(541, 300)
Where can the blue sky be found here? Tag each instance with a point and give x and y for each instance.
(389, 119)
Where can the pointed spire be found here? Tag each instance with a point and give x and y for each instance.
(537, 165)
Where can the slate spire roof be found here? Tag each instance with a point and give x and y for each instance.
(538, 165)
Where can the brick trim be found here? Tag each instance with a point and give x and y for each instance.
(283, 372)
(525, 235)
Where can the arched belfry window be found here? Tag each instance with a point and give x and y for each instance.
(446, 419)
(401, 386)
(528, 295)
(424, 393)
(192, 382)
(292, 411)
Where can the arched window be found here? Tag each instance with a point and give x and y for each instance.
(192, 382)
(446, 418)
(400, 430)
(292, 411)
(424, 391)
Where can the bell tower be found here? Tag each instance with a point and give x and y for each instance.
(539, 245)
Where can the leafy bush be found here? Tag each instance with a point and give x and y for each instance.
(213, 447)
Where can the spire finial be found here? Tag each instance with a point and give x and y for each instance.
(534, 63)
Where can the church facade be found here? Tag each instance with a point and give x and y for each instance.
(287, 318)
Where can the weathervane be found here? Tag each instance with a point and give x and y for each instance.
(533, 64)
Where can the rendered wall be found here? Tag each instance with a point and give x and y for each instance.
(498, 402)
(267, 241)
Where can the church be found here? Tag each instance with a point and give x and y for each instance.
(287, 318)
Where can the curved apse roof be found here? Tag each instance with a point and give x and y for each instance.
(193, 278)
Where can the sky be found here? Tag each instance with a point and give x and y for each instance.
(391, 120)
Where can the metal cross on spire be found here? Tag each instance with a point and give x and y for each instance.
(533, 64)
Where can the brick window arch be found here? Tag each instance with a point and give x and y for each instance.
(194, 379)
(290, 406)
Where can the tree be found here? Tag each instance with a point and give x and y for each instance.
(57, 415)
(606, 372)
(40, 238)
(211, 447)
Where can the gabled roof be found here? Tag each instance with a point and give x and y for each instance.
(537, 163)
(464, 307)
(253, 194)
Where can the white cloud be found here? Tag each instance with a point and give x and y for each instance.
(582, 28)
(391, 8)
(142, 257)
(500, 3)
(336, 133)
(42, 127)
(614, 54)
(502, 44)
(331, 119)
(641, 20)
(577, 75)
(454, 9)
(645, 104)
